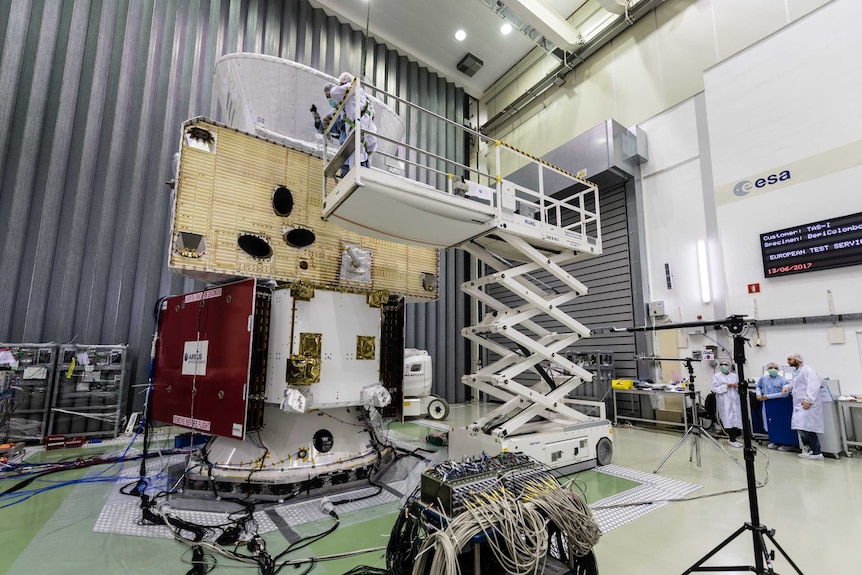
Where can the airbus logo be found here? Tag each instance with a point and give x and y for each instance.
(744, 187)
(193, 357)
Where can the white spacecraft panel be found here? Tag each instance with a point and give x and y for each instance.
(340, 319)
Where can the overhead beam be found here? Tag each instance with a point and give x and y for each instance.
(547, 21)
(614, 6)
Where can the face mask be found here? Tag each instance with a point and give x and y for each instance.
(773, 372)
(333, 103)
(725, 368)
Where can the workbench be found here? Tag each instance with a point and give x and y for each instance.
(682, 394)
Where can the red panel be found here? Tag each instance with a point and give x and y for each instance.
(203, 357)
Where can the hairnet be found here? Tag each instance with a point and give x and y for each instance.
(329, 86)
(345, 78)
(771, 364)
(795, 356)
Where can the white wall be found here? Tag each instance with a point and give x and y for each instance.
(674, 211)
(784, 103)
(790, 100)
(789, 104)
(650, 67)
(675, 218)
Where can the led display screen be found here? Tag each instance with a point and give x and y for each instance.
(831, 243)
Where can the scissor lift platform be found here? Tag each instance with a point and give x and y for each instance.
(374, 202)
(535, 222)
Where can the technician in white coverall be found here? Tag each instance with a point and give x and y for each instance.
(349, 115)
(807, 416)
(725, 385)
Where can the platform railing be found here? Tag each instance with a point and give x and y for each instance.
(536, 189)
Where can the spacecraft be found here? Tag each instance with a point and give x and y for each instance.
(291, 354)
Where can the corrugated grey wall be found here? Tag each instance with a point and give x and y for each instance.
(609, 279)
(92, 95)
(610, 300)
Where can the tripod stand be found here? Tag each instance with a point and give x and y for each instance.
(736, 326)
(695, 430)
(763, 558)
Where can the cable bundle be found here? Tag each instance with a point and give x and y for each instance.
(203, 538)
(515, 533)
(568, 513)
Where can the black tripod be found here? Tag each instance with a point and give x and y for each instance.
(695, 430)
(763, 558)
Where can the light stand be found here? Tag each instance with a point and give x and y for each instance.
(763, 558)
(695, 430)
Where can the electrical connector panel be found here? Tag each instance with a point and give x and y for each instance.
(451, 485)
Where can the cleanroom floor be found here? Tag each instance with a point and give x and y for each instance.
(814, 506)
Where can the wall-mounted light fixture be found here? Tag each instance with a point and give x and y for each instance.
(702, 267)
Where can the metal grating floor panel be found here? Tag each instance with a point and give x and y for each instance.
(121, 514)
(309, 510)
(653, 488)
(124, 518)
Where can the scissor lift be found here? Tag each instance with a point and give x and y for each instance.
(522, 229)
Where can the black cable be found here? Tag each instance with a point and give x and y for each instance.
(151, 381)
(403, 453)
(199, 562)
(311, 565)
(248, 501)
(540, 369)
(413, 453)
(366, 570)
(361, 498)
(306, 541)
(405, 540)
(229, 536)
(138, 489)
(260, 466)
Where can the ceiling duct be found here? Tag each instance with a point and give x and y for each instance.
(547, 21)
(613, 6)
(520, 24)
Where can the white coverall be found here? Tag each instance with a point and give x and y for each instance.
(727, 400)
(366, 123)
(806, 386)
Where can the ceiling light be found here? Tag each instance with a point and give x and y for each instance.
(460, 35)
(505, 28)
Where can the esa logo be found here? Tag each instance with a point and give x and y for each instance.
(193, 357)
(743, 187)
